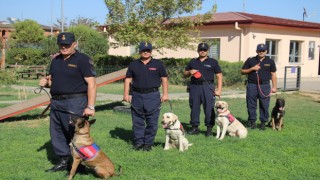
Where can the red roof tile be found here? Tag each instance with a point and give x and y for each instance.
(246, 18)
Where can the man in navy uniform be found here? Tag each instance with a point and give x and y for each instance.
(260, 69)
(73, 89)
(202, 88)
(144, 76)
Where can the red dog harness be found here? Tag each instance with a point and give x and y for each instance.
(87, 152)
(230, 117)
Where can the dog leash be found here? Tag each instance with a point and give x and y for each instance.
(258, 81)
(41, 88)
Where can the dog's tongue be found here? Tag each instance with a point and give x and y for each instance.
(164, 126)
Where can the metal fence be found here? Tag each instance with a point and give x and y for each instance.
(292, 78)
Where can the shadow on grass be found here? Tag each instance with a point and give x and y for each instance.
(50, 153)
(108, 106)
(26, 117)
(127, 136)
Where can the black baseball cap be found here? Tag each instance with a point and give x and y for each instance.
(145, 46)
(261, 47)
(203, 46)
(66, 38)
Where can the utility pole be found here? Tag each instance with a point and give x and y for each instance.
(244, 5)
(51, 18)
(62, 18)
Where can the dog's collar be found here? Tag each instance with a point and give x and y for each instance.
(180, 128)
(81, 133)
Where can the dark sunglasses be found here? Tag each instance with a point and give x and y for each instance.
(261, 51)
(203, 50)
(146, 50)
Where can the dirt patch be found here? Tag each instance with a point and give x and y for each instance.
(314, 96)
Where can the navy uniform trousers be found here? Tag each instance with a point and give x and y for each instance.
(145, 112)
(202, 94)
(253, 94)
(61, 131)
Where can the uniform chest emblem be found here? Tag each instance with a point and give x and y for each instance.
(266, 64)
(152, 69)
(207, 65)
(72, 65)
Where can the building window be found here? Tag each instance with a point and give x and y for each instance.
(295, 52)
(311, 50)
(272, 49)
(214, 50)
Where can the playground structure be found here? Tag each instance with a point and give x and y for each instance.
(43, 100)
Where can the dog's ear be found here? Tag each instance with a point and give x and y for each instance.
(92, 121)
(215, 104)
(175, 117)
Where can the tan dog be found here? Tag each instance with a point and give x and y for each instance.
(85, 151)
(227, 122)
(175, 137)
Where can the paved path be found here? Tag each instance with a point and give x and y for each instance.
(310, 85)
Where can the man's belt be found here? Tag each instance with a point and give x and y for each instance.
(145, 90)
(68, 96)
(202, 82)
(261, 82)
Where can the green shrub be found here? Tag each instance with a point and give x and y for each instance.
(8, 77)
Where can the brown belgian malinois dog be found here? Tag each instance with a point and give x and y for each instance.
(85, 151)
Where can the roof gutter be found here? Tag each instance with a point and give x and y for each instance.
(236, 26)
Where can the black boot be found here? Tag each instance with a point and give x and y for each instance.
(195, 130)
(252, 124)
(209, 131)
(61, 166)
(263, 126)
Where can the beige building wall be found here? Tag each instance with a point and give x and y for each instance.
(237, 43)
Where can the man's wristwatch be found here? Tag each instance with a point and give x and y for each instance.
(91, 107)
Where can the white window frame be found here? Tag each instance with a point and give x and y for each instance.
(295, 52)
(272, 49)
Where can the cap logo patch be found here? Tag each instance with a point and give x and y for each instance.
(63, 37)
(203, 45)
(146, 44)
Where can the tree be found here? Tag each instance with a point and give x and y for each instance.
(27, 44)
(156, 21)
(84, 21)
(28, 33)
(90, 41)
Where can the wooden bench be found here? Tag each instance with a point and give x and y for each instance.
(34, 71)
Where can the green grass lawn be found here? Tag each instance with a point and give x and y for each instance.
(288, 154)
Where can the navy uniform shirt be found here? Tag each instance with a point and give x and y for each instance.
(207, 68)
(267, 66)
(146, 75)
(68, 75)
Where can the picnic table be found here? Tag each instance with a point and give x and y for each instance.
(33, 72)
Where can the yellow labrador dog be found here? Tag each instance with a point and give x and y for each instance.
(227, 122)
(85, 151)
(175, 136)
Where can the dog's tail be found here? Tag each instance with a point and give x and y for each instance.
(190, 144)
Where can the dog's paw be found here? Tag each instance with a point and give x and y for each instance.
(166, 148)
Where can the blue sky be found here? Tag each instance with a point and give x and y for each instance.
(47, 11)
